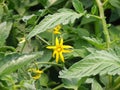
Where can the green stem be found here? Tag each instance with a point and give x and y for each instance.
(36, 65)
(4, 48)
(42, 39)
(105, 28)
(50, 63)
(23, 46)
(42, 14)
(75, 88)
(117, 87)
(17, 86)
(117, 80)
(110, 81)
(53, 38)
(58, 87)
(94, 16)
(105, 2)
(117, 83)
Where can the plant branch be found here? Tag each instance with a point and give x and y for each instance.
(50, 63)
(105, 28)
(23, 46)
(42, 39)
(105, 2)
(117, 87)
(58, 87)
(117, 82)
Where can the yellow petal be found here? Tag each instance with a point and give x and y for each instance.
(61, 56)
(67, 46)
(51, 47)
(61, 41)
(38, 71)
(57, 41)
(67, 51)
(54, 53)
(36, 77)
(57, 57)
(57, 32)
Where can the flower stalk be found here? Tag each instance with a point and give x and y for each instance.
(105, 28)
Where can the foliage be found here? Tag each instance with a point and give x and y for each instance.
(99, 62)
(90, 28)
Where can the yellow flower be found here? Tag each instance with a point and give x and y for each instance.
(36, 73)
(59, 48)
(56, 29)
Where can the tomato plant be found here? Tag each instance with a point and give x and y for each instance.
(59, 44)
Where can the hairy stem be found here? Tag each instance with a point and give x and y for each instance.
(117, 83)
(58, 87)
(23, 46)
(117, 87)
(42, 39)
(105, 28)
(110, 81)
(50, 63)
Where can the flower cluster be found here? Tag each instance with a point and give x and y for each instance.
(57, 29)
(59, 48)
(36, 73)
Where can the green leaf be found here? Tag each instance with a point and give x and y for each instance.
(96, 85)
(94, 9)
(79, 53)
(7, 48)
(44, 80)
(1, 1)
(105, 79)
(5, 7)
(73, 83)
(4, 32)
(99, 62)
(1, 11)
(64, 17)
(117, 51)
(78, 6)
(80, 31)
(88, 19)
(87, 3)
(114, 33)
(13, 62)
(27, 85)
(43, 2)
(95, 42)
(46, 56)
(115, 14)
(29, 19)
(115, 3)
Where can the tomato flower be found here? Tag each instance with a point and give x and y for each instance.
(36, 73)
(57, 29)
(59, 49)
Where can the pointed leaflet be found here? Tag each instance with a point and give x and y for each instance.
(96, 85)
(115, 3)
(64, 17)
(78, 6)
(99, 62)
(4, 32)
(96, 42)
(73, 83)
(13, 62)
